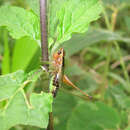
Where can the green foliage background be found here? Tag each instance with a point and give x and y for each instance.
(97, 61)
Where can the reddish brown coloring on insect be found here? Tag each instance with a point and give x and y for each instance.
(58, 65)
(59, 77)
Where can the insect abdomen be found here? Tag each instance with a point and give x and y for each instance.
(56, 84)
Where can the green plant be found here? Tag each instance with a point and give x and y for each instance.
(99, 65)
(24, 26)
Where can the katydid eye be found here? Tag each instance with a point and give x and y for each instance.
(59, 52)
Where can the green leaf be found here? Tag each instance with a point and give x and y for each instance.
(19, 22)
(64, 19)
(34, 5)
(119, 96)
(72, 70)
(24, 53)
(18, 110)
(63, 106)
(10, 83)
(120, 80)
(33, 75)
(127, 21)
(93, 36)
(124, 119)
(6, 57)
(85, 80)
(67, 17)
(116, 2)
(87, 83)
(93, 116)
(128, 128)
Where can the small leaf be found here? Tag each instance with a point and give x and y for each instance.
(10, 83)
(34, 5)
(18, 110)
(93, 36)
(67, 17)
(63, 106)
(24, 53)
(93, 115)
(20, 22)
(119, 96)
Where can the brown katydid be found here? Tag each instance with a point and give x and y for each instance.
(58, 73)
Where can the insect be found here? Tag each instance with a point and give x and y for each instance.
(58, 67)
(59, 77)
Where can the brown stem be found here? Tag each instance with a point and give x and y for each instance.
(50, 125)
(44, 31)
(114, 17)
(44, 46)
(125, 58)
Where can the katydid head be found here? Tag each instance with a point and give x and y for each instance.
(58, 59)
(58, 56)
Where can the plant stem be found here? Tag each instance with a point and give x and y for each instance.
(44, 46)
(50, 125)
(112, 27)
(122, 62)
(109, 45)
(106, 19)
(114, 18)
(108, 59)
(113, 22)
(44, 31)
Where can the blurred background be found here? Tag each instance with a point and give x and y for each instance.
(97, 61)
